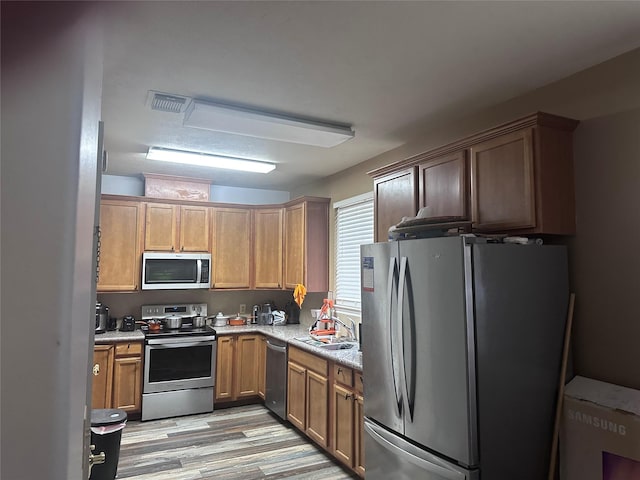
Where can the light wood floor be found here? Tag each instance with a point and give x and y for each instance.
(239, 443)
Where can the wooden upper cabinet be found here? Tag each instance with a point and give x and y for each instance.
(161, 227)
(306, 244)
(522, 181)
(502, 183)
(267, 247)
(231, 247)
(194, 228)
(394, 197)
(442, 186)
(176, 228)
(121, 235)
(294, 245)
(518, 179)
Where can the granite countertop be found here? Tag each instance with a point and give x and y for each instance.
(351, 357)
(118, 336)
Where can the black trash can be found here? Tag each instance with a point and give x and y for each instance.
(106, 432)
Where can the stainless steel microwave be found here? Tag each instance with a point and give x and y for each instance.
(175, 271)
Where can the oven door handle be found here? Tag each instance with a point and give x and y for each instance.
(180, 342)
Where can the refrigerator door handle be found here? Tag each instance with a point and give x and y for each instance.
(391, 292)
(378, 435)
(402, 283)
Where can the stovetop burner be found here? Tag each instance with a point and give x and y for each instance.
(185, 310)
(186, 329)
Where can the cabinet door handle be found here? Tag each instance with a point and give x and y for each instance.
(339, 370)
(96, 370)
(347, 396)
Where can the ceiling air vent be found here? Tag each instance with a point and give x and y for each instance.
(167, 103)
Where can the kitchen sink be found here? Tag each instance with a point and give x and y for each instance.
(338, 345)
(328, 342)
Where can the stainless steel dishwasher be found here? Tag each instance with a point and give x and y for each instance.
(276, 377)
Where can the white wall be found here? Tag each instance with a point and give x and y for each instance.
(603, 254)
(249, 196)
(50, 112)
(122, 185)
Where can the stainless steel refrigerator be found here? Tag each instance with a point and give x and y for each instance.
(462, 344)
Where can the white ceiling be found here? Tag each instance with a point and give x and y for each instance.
(383, 67)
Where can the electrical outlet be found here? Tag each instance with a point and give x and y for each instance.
(243, 308)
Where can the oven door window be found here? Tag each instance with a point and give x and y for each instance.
(181, 363)
(159, 271)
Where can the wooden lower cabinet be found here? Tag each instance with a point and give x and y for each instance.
(348, 418)
(117, 381)
(246, 366)
(308, 395)
(102, 376)
(343, 424)
(317, 407)
(224, 368)
(127, 381)
(127, 377)
(359, 422)
(297, 395)
(238, 367)
(325, 401)
(262, 364)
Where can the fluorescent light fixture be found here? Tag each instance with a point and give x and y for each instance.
(256, 123)
(208, 160)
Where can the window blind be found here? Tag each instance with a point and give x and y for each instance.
(354, 227)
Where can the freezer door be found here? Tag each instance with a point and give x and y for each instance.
(379, 283)
(390, 456)
(439, 352)
(522, 294)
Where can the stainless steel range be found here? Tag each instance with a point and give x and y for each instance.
(179, 365)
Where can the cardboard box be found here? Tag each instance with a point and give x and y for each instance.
(600, 435)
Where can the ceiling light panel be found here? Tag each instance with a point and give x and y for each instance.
(255, 123)
(208, 160)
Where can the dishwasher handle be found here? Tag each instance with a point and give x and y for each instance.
(277, 348)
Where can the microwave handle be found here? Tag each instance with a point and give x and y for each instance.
(199, 271)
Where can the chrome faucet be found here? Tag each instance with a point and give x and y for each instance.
(351, 329)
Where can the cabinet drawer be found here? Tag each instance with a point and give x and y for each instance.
(308, 360)
(358, 382)
(128, 349)
(342, 374)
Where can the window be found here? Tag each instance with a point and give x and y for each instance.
(354, 227)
